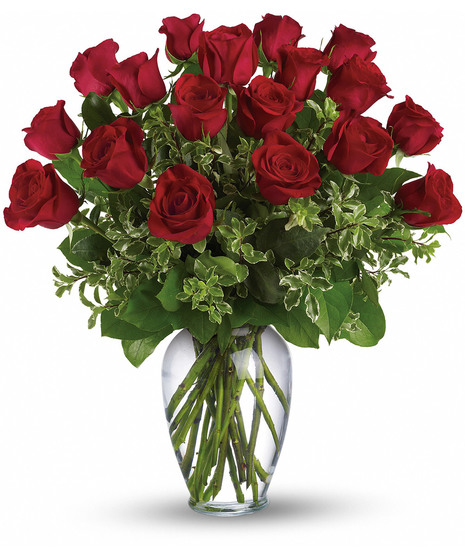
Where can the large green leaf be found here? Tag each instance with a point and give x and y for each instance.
(372, 323)
(198, 323)
(390, 181)
(298, 328)
(263, 283)
(111, 326)
(92, 248)
(171, 287)
(249, 311)
(67, 245)
(334, 305)
(294, 244)
(136, 351)
(96, 111)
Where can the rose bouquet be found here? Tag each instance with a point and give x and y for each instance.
(220, 201)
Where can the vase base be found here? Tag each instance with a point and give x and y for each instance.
(228, 509)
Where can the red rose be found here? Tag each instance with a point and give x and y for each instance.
(138, 79)
(182, 35)
(358, 144)
(345, 43)
(228, 54)
(432, 193)
(182, 207)
(357, 84)
(265, 106)
(52, 131)
(38, 196)
(199, 107)
(298, 69)
(285, 169)
(90, 69)
(413, 128)
(275, 31)
(114, 153)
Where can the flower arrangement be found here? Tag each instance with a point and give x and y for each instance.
(222, 196)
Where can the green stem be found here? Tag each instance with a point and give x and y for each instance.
(263, 475)
(186, 464)
(218, 413)
(234, 478)
(90, 225)
(275, 386)
(255, 425)
(263, 409)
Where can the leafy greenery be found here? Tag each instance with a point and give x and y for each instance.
(311, 267)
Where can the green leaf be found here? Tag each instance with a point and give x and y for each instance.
(372, 324)
(92, 248)
(249, 311)
(171, 287)
(70, 169)
(96, 111)
(298, 328)
(136, 351)
(369, 287)
(145, 311)
(224, 333)
(334, 305)
(67, 245)
(198, 323)
(294, 244)
(263, 283)
(111, 326)
(390, 181)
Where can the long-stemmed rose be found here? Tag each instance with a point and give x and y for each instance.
(265, 106)
(433, 193)
(52, 131)
(274, 32)
(199, 106)
(358, 144)
(285, 169)
(182, 35)
(138, 79)
(90, 69)
(38, 196)
(182, 208)
(228, 54)
(114, 153)
(413, 128)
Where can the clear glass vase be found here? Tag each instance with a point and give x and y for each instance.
(227, 412)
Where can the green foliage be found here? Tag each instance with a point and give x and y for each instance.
(311, 267)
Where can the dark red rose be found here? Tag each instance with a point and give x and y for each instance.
(228, 54)
(358, 144)
(182, 35)
(199, 109)
(345, 43)
(38, 196)
(432, 193)
(298, 69)
(90, 69)
(413, 128)
(265, 106)
(114, 153)
(285, 169)
(275, 31)
(52, 131)
(182, 207)
(138, 79)
(356, 85)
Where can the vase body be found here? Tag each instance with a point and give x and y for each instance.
(227, 410)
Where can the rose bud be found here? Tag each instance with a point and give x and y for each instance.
(182, 207)
(182, 35)
(199, 109)
(114, 153)
(228, 54)
(285, 169)
(275, 31)
(52, 131)
(358, 144)
(432, 193)
(138, 79)
(298, 69)
(265, 106)
(356, 85)
(345, 43)
(413, 128)
(38, 196)
(90, 69)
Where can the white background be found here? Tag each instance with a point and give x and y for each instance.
(374, 460)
